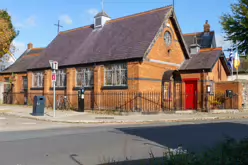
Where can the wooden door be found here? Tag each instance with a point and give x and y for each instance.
(190, 94)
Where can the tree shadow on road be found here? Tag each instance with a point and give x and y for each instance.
(194, 138)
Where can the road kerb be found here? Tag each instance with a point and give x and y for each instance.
(126, 121)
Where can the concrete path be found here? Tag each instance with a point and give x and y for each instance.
(13, 123)
(90, 118)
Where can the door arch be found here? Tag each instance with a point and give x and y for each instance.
(171, 90)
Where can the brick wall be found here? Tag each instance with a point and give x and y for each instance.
(160, 59)
(218, 73)
(160, 52)
(236, 87)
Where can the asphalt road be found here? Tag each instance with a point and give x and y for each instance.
(66, 144)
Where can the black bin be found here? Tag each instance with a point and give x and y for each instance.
(39, 105)
(81, 100)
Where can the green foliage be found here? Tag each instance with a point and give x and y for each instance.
(218, 99)
(230, 152)
(7, 32)
(235, 25)
(12, 78)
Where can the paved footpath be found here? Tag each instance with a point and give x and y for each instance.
(90, 118)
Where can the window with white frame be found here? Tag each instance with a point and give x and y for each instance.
(2, 67)
(61, 78)
(115, 75)
(38, 79)
(85, 77)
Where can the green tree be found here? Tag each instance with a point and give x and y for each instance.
(235, 25)
(7, 33)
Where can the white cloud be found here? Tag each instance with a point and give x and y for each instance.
(88, 15)
(27, 23)
(92, 11)
(66, 19)
(20, 48)
(31, 21)
(220, 42)
(19, 25)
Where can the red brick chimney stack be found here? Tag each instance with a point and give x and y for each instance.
(206, 27)
(30, 46)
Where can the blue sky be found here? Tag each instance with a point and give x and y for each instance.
(35, 19)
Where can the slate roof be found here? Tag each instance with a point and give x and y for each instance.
(120, 39)
(205, 60)
(24, 61)
(204, 41)
(102, 13)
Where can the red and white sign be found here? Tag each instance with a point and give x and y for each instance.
(54, 64)
(54, 77)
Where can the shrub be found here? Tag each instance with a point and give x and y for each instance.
(230, 152)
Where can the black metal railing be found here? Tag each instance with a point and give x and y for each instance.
(134, 101)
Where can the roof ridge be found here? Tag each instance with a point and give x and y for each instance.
(120, 18)
(37, 48)
(78, 28)
(140, 13)
(193, 33)
(210, 49)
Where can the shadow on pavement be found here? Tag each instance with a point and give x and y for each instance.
(194, 138)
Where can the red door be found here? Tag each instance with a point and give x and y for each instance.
(190, 97)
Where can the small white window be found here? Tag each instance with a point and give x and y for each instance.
(61, 78)
(115, 75)
(167, 38)
(85, 77)
(2, 67)
(98, 21)
(38, 79)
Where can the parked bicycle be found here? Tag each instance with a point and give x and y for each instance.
(63, 103)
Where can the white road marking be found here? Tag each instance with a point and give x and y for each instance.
(29, 123)
(2, 118)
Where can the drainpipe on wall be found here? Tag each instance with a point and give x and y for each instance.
(204, 100)
(205, 92)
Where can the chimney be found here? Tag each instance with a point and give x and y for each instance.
(194, 49)
(206, 27)
(30, 46)
(100, 19)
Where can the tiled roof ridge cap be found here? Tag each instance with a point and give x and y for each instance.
(121, 18)
(37, 48)
(211, 49)
(193, 33)
(140, 14)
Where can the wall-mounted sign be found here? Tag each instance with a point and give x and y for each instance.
(54, 64)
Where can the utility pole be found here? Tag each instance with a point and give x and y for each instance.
(58, 25)
(54, 66)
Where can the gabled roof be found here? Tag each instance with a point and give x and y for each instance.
(24, 61)
(205, 60)
(120, 39)
(205, 41)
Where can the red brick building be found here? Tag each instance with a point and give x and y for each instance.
(126, 61)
